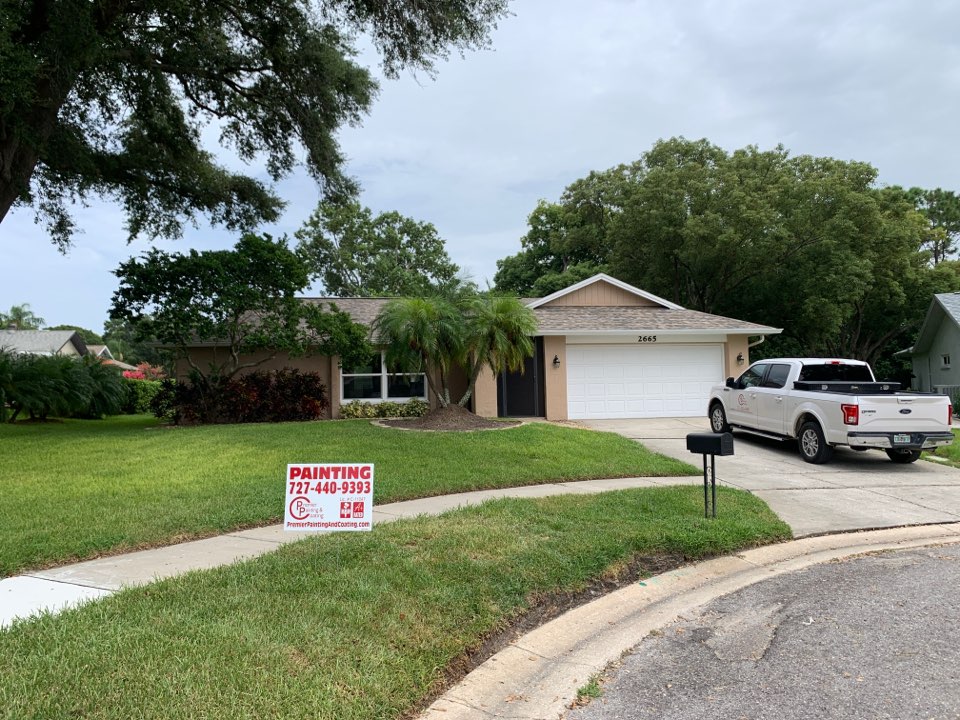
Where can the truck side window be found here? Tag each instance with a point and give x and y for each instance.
(752, 377)
(777, 376)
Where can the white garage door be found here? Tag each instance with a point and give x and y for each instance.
(630, 381)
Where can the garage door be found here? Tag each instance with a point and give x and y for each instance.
(629, 381)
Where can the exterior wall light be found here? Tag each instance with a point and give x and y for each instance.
(740, 359)
(556, 362)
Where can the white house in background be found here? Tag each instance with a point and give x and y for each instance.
(43, 342)
(936, 353)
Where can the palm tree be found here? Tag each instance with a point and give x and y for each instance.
(427, 334)
(470, 330)
(21, 317)
(499, 332)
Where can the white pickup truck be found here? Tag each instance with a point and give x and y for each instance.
(823, 403)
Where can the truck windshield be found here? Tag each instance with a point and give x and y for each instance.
(838, 373)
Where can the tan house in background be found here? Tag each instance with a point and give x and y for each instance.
(604, 349)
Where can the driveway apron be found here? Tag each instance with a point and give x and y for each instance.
(854, 491)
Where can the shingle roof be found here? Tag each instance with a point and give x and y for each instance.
(613, 319)
(40, 342)
(572, 319)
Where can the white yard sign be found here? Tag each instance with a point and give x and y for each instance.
(329, 497)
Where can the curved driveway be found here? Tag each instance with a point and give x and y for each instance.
(856, 490)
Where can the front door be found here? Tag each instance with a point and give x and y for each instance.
(522, 394)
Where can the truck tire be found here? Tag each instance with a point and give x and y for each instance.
(903, 456)
(813, 445)
(718, 419)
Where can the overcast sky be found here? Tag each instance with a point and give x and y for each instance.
(572, 86)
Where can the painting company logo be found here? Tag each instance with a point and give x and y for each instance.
(742, 400)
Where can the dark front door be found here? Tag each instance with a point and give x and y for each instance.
(521, 394)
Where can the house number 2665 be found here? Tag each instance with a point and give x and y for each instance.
(647, 338)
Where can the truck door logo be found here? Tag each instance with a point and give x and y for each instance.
(742, 401)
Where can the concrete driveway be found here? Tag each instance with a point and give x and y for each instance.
(854, 491)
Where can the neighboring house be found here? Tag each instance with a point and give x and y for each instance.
(103, 354)
(43, 342)
(604, 349)
(936, 353)
(100, 351)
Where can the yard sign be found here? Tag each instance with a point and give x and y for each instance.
(329, 497)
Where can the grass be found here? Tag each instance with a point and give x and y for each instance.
(950, 452)
(351, 626)
(82, 488)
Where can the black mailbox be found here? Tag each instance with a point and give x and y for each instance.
(710, 443)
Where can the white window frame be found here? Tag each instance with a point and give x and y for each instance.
(945, 361)
(384, 385)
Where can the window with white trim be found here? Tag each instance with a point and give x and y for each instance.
(945, 362)
(374, 382)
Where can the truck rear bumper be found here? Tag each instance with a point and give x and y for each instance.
(913, 441)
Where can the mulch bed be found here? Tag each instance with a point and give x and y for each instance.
(453, 418)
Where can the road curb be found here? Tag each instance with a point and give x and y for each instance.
(537, 676)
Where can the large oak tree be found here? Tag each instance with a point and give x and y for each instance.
(109, 97)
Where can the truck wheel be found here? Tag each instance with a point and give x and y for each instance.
(718, 419)
(813, 445)
(903, 456)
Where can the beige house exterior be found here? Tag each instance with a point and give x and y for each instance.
(604, 349)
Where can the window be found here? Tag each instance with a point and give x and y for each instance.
(777, 377)
(752, 377)
(374, 382)
(945, 362)
(835, 372)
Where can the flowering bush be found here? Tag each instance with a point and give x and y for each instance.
(145, 371)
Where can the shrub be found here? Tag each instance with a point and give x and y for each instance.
(145, 371)
(47, 385)
(359, 409)
(139, 395)
(280, 396)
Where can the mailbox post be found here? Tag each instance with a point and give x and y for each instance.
(711, 444)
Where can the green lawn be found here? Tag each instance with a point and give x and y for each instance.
(352, 626)
(950, 452)
(82, 488)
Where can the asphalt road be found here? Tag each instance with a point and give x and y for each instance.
(871, 637)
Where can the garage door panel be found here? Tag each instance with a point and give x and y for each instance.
(627, 381)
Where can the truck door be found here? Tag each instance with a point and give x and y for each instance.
(770, 399)
(742, 407)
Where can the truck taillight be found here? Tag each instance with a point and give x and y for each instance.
(851, 414)
(949, 414)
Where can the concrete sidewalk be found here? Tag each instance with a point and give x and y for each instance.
(66, 586)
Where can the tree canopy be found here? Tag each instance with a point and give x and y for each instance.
(809, 244)
(110, 97)
(238, 302)
(354, 252)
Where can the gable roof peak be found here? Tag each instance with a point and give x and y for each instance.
(612, 281)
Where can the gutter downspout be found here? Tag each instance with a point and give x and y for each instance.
(758, 342)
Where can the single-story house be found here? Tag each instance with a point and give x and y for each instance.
(43, 342)
(935, 355)
(604, 349)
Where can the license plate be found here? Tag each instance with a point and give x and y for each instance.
(900, 439)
